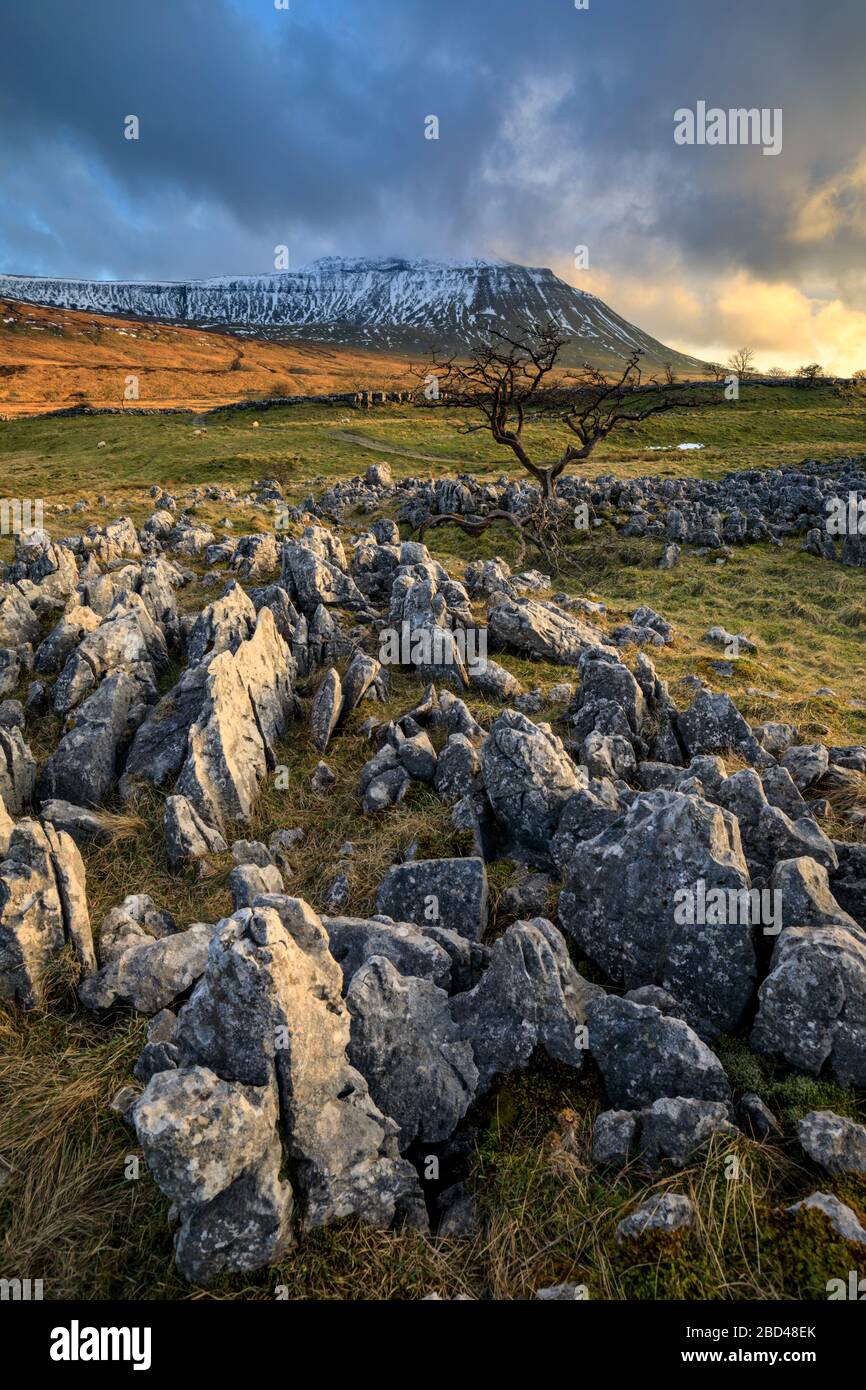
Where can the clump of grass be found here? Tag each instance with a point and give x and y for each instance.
(853, 615)
(118, 826)
(844, 796)
(789, 1094)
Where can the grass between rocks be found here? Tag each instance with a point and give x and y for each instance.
(71, 1210)
(73, 1215)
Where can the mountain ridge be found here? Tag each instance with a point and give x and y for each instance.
(396, 303)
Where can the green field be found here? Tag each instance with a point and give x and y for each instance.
(59, 458)
(67, 1212)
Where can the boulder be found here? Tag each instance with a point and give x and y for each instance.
(456, 769)
(222, 625)
(149, 975)
(614, 1136)
(608, 755)
(270, 1001)
(627, 888)
(841, 1218)
(775, 737)
(812, 1005)
(663, 1213)
(451, 893)
(756, 1118)
(84, 826)
(768, 834)
(83, 767)
(848, 882)
(671, 1130)
(713, 724)
(354, 941)
(541, 630)
(361, 675)
(19, 624)
(256, 556)
(483, 577)
(137, 921)
(202, 1135)
(249, 881)
(419, 1067)
(417, 756)
(313, 572)
(592, 809)
(160, 743)
(610, 699)
(781, 790)
(127, 640)
(199, 1133)
(226, 755)
(529, 998)
(379, 475)
(806, 763)
(266, 669)
(836, 1144)
(17, 771)
(528, 777)
(43, 904)
(325, 709)
(61, 642)
(804, 892)
(71, 881)
(189, 540)
(674, 1129)
(644, 1055)
(492, 680)
(254, 852)
(188, 837)
(244, 712)
(385, 790)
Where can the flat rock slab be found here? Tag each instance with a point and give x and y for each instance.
(450, 893)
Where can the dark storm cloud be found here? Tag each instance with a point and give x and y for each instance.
(260, 126)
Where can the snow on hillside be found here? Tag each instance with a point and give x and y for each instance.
(392, 303)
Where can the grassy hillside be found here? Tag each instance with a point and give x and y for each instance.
(56, 358)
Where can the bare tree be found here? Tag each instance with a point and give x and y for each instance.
(778, 373)
(517, 379)
(513, 380)
(742, 362)
(717, 370)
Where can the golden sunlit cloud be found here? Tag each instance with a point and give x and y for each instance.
(785, 326)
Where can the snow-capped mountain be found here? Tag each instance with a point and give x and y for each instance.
(401, 305)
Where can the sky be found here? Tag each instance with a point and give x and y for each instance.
(305, 127)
